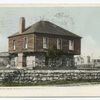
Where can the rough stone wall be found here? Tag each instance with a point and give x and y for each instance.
(37, 61)
(63, 62)
(40, 60)
(36, 76)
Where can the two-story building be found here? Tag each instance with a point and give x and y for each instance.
(28, 46)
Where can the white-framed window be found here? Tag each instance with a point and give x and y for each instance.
(45, 42)
(14, 46)
(71, 44)
(25, 42)
(59, 43)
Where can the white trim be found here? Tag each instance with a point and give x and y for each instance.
(45, 42)
(14, 46)
(59, 43)
(26, 42)
(71, 44)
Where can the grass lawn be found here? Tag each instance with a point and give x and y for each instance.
(53, 83)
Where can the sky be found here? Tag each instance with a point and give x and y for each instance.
(83, 21)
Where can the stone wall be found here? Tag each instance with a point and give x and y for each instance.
(63, 62)
(38, 61)
(39, 77)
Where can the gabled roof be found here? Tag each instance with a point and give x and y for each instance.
(48, 28)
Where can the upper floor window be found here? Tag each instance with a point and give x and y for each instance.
(59, 43)
(71, 44)
(45, 42)
(25, 42)
(14, 46)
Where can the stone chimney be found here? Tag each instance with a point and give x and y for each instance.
(21, 25)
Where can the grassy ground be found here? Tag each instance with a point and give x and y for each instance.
(53, 83)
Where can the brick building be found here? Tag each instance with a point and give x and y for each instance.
(27, 47)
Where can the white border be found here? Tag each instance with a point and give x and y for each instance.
(51, 5)
(48, 1)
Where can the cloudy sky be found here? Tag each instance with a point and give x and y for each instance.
(83, 21)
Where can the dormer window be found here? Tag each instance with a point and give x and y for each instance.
(71, 44)
(59, 43)
(45, 42)
(14, 46)
(25, 42)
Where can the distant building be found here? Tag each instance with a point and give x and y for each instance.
(86, 62)
(4, 59)
(81, 60)
(28, 46)
(96, 62)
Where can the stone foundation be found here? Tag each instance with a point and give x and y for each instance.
(65, 61)
(38, 60)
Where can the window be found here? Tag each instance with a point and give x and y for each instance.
(45, 42)
(71, 44)
(59, 43)
(14, 47)
(26, 43)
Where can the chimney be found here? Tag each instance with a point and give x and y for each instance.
(21, 25)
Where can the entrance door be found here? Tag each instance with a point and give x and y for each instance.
(30, 61)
